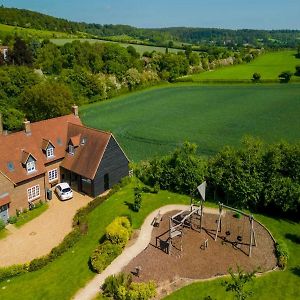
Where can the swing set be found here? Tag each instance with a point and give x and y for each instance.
(240, 232)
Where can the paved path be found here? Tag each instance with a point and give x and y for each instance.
(39, 236)
(144, 238)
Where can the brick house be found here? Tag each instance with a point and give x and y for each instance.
(52, 151)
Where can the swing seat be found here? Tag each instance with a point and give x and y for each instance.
(227, 232)
(239, 238)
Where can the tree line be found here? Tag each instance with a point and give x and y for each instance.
(160, 36)
(39, 80)
(256, 176)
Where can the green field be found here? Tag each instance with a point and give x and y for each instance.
(7, 29)
(139, 48)
(269, 65)
(154, 121)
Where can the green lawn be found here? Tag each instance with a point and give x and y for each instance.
(31, 214)
(154, 121)
(139, 48)
(269, 65)
(63, 277)
(275, 285)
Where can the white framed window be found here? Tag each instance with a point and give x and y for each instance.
(50, 152)
(30, 166)
(71, 149)
(52, 175)
(33, 192)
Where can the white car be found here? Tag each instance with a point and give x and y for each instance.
(63, 191)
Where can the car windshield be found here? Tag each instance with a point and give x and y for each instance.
(66, 190)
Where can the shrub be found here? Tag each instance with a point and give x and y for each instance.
(119, 231)
(121, 287)
(103, 255)
(12, 220)
(156, 188)
(285, 76)
(282, 254)
(38, 263)
(141, 291)
(11, 271)
(116, 285)
(256, 77)
(137, 200)
(2, 224)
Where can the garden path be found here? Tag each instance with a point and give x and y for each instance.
(144, 238)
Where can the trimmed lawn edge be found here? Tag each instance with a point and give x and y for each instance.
(30, 215)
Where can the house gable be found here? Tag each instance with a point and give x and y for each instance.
(113, 166)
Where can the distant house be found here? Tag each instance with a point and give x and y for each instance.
(56, 150)
(4, 52)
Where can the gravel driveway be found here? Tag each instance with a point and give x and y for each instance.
(39, 236)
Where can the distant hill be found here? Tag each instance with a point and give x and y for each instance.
(156, 36)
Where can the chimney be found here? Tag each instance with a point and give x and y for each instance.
(75, 110)
(27, 127)
(1, 124)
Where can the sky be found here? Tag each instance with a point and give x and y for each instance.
(232, 14)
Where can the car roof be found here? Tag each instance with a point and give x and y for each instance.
(64, 185)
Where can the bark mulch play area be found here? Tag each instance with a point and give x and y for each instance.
(189, 257)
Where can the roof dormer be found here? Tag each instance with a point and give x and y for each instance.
(28, 161)
(74, 142)
(48, 148)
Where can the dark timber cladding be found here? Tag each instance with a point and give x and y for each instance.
(113, 167)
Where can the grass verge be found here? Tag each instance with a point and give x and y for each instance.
(30, 215)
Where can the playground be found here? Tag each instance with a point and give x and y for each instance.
(184, 245)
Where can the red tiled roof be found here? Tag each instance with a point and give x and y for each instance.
(88, 155)
(75, 140)
(45, 144)
(4, 200)
(13, 145)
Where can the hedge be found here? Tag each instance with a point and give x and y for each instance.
(104, 254)
(117, 235)
(282, 254)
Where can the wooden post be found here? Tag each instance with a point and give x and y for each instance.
(201, 214)
(219, 220)
(251, 234)
(170, 238)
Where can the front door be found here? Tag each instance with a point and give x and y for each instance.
(4, 213)
(106, 182)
